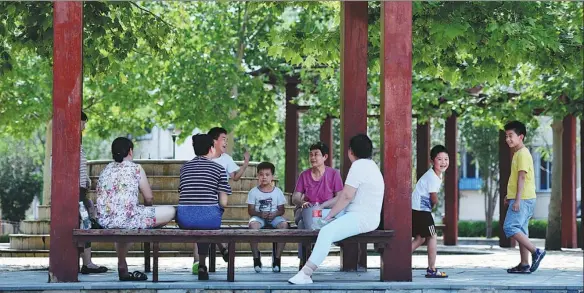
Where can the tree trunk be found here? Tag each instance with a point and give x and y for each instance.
(553, 239)
(46, 199)
(234, 90)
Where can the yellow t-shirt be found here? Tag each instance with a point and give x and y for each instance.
(522, 161)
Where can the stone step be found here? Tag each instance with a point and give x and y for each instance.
(172, 183)
(44, 212)
(161, 167)
(35, 227)
(42, 242)
(170, 197)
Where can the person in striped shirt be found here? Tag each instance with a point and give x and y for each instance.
(203, 190)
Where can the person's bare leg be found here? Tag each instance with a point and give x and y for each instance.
(523, 240)
(417, 242)
(195, 253)
(280, 246)
(524, 253)
(255, 251)
(122, 251)
(309, 268)
(432, 251)
(163, 215)
(86, 258)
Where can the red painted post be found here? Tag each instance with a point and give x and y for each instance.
(451, 183)
(326, 136)
(291, 138)
(354, 40)
(569, 236)
(396, 137)
(423, 132)
(67, 99)
(505, 156)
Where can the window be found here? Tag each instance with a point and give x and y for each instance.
(545, 175)
(469, 173)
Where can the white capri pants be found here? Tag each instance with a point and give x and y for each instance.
(347, 225)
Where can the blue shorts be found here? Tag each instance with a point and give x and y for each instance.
(274, 223)
(516, 222)
(199, 217)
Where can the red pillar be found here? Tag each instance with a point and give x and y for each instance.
(291, 138)
(423, 132)
(326, 136)
(354, 41)
(396, 137)
(451, 183)
(505, 156)
(582, 178)
(569, 237)
(67, 91)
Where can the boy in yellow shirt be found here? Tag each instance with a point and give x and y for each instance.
(521, 199)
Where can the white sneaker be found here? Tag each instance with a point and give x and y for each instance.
(300, 279)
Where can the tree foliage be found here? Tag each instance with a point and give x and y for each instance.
(20, 178)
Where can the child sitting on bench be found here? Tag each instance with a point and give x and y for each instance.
(266, 206)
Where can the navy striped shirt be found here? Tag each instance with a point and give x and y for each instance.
(201, 180)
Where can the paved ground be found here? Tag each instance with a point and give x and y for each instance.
(483, 269)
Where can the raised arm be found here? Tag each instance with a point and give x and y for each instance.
(237, 175)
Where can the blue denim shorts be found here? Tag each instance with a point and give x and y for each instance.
(516, 222)
(193, 217)
(274, 223)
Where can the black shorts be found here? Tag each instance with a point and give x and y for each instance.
(422, 224)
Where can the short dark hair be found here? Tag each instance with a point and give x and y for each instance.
(202, 143)
(321, 146)
(83, 116)
(436, 150)
(215, 132)
(266, 166)
(361, 146)
(121, 148)
(518, 127)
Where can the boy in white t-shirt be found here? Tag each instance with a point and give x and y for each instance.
(424, 198)
(219, 136)
(266, 206)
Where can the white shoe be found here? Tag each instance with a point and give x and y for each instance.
(300, 279)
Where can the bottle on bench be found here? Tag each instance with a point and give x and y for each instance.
(85, 222)
(316, 217)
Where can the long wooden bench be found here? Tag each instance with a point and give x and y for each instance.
(230, 236)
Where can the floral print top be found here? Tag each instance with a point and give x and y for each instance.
(117, 198)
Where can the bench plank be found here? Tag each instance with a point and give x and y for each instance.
(229, 236)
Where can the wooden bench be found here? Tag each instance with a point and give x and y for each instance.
(229, 236)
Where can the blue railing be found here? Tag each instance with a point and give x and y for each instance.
(470, 183)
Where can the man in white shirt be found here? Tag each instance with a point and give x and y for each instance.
(219, 136)
(361, 198)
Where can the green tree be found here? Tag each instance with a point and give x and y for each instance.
(20, 179)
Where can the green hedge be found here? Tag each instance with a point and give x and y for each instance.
(537, 229)
(4, 238)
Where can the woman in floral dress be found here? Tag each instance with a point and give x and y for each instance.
(118, 206)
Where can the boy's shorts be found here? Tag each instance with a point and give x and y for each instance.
(423, 224)
(274, 223)
(516, 222)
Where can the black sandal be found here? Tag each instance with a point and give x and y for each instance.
(135, 276)
(519, 269)
(85, 270)
(203, 273)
